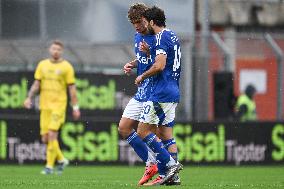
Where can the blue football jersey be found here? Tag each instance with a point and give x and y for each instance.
(143, 64)
(166, 83)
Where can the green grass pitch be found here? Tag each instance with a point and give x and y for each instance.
(213, 177)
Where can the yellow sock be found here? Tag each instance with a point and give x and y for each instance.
(51, 153)
(59, 155)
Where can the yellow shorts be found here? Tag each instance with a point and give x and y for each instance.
(51, 120)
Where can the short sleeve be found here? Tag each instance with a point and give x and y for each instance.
(162, 46)
(38, 73)
(70, 75)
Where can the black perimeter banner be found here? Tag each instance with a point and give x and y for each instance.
(95, 139)
(98, 142)
(100, 96)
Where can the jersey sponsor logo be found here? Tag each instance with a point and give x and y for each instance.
(143, 59)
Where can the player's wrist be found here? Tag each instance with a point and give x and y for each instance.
(133, 63)
(143, 76)
(76, 107)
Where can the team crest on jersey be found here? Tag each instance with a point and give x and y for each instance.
(58, 72)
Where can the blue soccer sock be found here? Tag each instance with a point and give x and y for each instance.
(163, 157)
(167, 144)
(140, 147)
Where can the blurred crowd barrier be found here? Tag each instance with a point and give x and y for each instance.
(248, 57)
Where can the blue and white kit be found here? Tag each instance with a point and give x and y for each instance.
(165, 95)
(134, 107)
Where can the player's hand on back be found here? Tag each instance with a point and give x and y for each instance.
(138, 80)
(144, 47)
(28, 103)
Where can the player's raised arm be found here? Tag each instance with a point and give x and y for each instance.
(74, 101)
(33, 90)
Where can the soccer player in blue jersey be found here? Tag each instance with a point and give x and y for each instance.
(160, 106)
(132, 112)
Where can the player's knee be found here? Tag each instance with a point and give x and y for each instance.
(154, 130)
(52, 135)
(125, 129)
(165, 134)
(142, 132)
(44, 139)
(120, 131)
(124, 132)
(158, 133)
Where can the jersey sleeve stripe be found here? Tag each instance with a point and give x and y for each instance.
(161, 51)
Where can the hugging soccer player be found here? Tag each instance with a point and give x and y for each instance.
(159, 110)
(132, 112)
(53, 77)
(144, 45)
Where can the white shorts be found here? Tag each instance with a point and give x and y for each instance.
(133, 110)
(158, 113)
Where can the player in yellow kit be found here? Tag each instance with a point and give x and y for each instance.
(53, 77)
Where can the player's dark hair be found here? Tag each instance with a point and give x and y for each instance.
(57, 42)
(136, 12)
(157, 15)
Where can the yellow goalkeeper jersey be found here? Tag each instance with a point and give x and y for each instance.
(54, 79)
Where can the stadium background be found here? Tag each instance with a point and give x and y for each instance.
(226, 44)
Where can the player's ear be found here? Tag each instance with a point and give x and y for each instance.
(151, 22)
